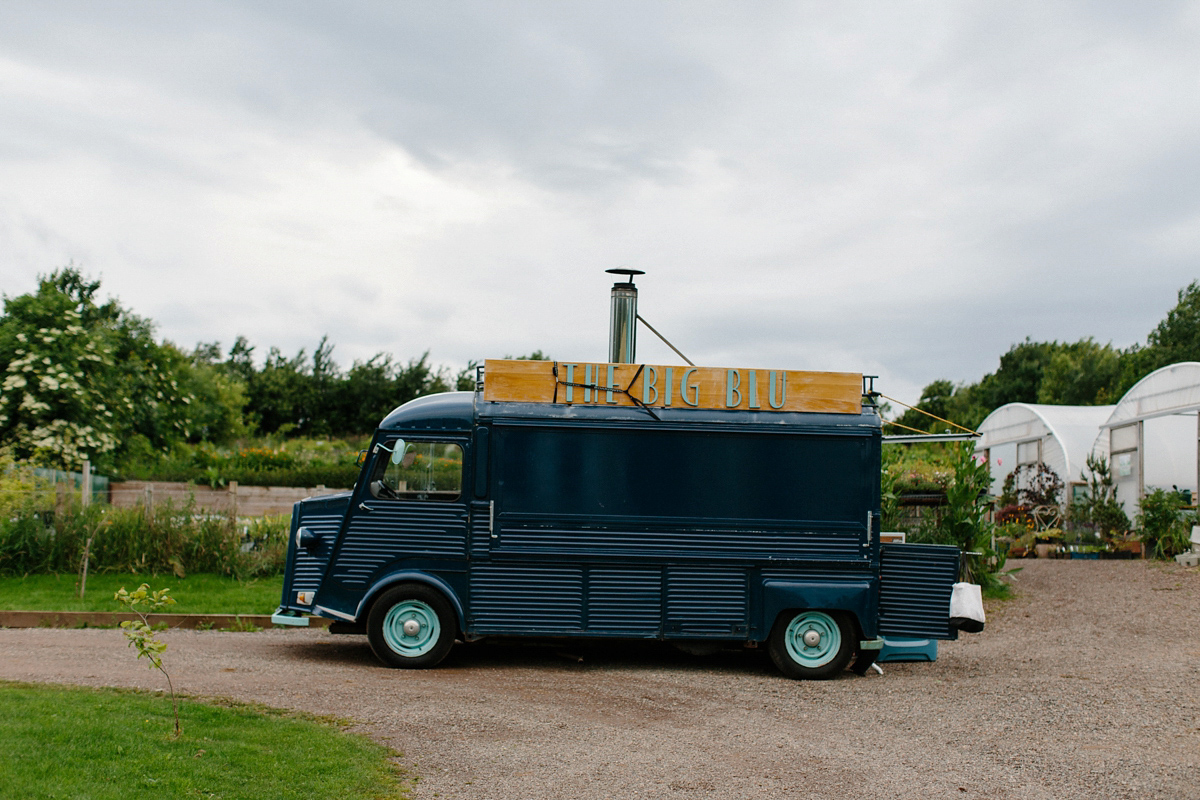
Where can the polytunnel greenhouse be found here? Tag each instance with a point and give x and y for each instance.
(1061, 437)
(1150, 437)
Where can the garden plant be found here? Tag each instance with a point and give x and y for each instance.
(142, 637)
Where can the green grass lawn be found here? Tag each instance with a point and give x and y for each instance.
(62, 742)
(195, 594)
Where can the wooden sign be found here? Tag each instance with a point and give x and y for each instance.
(655, 386)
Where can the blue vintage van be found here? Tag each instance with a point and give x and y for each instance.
(584, 517)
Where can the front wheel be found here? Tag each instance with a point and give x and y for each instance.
(411, 626)
(812, 645)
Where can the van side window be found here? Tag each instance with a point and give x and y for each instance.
(419, 471)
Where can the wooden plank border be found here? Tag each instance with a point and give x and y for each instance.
(79, 619)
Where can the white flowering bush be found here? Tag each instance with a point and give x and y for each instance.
(78, 379)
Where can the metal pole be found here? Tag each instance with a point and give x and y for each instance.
(87, 483)
(1141, 458)
(642, 320)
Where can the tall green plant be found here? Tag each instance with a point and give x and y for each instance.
(1163, 525)
(142, 637)
(1100, 510)
(963, 521)
(889, 494)
(166, 539)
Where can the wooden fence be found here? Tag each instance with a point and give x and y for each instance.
(244, 501)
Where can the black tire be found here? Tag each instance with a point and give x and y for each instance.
(835, 644)
(413, 648)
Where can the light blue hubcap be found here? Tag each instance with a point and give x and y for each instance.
(411, 628)
(813, 639)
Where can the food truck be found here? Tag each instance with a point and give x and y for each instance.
(703, 506)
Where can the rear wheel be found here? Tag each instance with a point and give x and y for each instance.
(812, 645)
(411, 626)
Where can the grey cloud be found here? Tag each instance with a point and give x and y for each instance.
(918, 186)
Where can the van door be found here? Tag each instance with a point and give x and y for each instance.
(412, 511)
(915, 584)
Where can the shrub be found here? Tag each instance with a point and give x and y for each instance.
(1163, 525)
(1032, 485)
(1099, 510)
(302, 462)
(963, 521)
(166, 539)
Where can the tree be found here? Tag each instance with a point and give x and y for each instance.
(219, 408)
(142, 637)
(58, 399)
(1019, 376)
(465, 379)
(1099, 510)
(1177, 338)
(367, 394)
(935, 399)
(299, 396)
(280, 394)
(419, 378)
(1081, 374)
(80, 378)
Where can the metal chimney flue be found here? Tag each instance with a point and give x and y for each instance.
(622, 324)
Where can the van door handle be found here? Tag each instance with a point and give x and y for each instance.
(365, 507)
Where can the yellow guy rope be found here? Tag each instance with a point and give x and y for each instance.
(926, 413)
(914, 430)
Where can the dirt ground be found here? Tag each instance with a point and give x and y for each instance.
(1086, 685)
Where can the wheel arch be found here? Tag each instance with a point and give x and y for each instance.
(858, 599)
(411, 576)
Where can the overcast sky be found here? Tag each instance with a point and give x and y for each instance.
(901, 189)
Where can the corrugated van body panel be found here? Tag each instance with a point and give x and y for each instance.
(706, 602)
(915, 584)
(309, 568)
(691, 538)
(607, 600)
(412, 529)
(526, 599)
(480, 544)
(625, 600)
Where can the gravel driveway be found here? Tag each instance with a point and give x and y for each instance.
(1086, 685)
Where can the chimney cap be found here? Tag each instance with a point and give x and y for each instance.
(625, 271)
